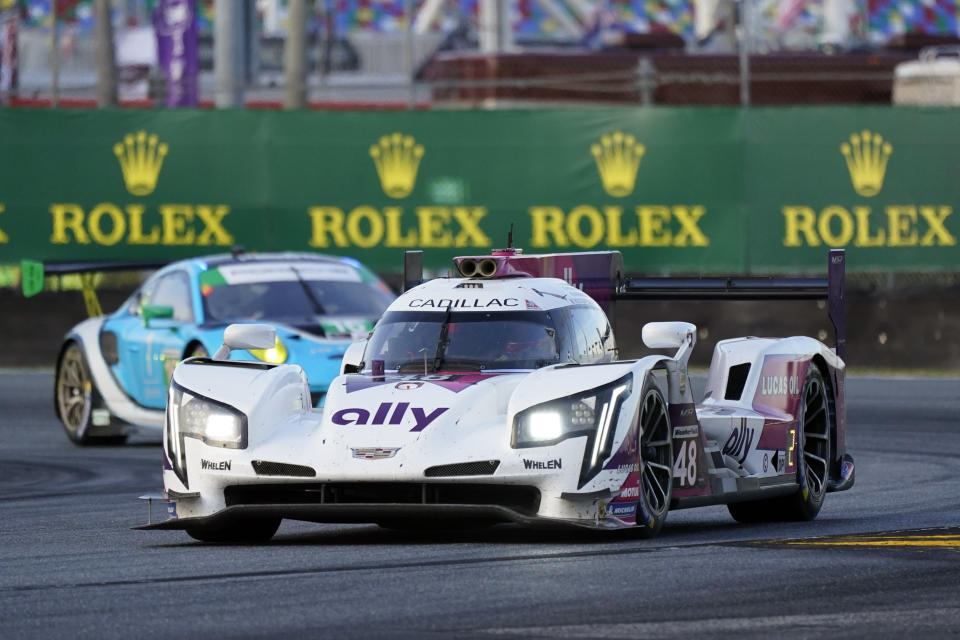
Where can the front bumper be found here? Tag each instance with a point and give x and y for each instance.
(520, 486)
(435, 514)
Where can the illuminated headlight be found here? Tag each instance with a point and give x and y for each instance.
(213, 423)
(275, 355)
(192, 416)
(592, 413)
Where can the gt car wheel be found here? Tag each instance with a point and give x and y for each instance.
(813, 462)
(74, 394)
(245, 531)
(656, 460)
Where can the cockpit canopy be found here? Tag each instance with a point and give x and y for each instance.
(411, 341)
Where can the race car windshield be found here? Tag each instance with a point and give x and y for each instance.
(409, 341)
(292, 301)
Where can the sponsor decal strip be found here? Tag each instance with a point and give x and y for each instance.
(463, 303)
(388, 413)
(543, 464)
(223, 465)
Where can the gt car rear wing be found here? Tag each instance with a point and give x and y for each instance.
(32, 276)
(600, 275)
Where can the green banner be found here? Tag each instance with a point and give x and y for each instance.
(674, 189)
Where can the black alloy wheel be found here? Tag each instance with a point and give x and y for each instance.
(656, 463)
(814, 444)
(815, 423)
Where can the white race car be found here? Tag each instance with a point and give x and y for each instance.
(496, 396)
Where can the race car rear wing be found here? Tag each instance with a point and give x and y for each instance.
(830, 288)
(32, 276)
(599, 274)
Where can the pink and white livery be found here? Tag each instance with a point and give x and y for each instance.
(496, 396)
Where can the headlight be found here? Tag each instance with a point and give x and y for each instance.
(212, 422)
(193, 416)
(592, 413)
(276, 355)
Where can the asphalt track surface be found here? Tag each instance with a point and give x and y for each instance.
(882, 560)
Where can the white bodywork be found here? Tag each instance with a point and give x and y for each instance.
(394, 427)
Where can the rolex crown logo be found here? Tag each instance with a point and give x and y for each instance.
(397, 158)
(140, 156)
(618, 156)
(866, 156)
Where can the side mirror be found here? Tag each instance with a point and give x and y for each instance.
(668, 335)
(246, 336)
(353, 358)
(154, 312)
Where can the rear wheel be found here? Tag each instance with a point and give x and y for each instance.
(656, 460)
(236, 531)
(813, 461)
(814, 440)
(74, 394)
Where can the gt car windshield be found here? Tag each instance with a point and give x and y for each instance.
(465, 341)
(293, 301)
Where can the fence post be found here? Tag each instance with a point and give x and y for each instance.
(743, 42)
(646, 80)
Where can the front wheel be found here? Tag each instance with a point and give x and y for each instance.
(236, 531)
(656, 463)
(813, 462)
(74, 394)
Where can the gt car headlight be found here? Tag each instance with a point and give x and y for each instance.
(193, 416)
(592, 413)
(276, 355)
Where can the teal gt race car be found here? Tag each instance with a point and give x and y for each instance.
(113, 370)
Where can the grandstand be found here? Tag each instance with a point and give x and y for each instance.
(442, 52)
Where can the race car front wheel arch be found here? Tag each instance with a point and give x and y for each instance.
(814, 423)
(655, 462)
(75, 397)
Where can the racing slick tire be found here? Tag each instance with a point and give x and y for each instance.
(236, 531)
(655, 453)
(74, 396)
(813, 462)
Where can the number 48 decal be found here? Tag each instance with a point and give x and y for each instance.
(685, 466)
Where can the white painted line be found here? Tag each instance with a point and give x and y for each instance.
(913, 618)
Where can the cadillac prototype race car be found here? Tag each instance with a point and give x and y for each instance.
(496, 397)
(113, 370)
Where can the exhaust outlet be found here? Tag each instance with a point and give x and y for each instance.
(468, 268)
(487, 267)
